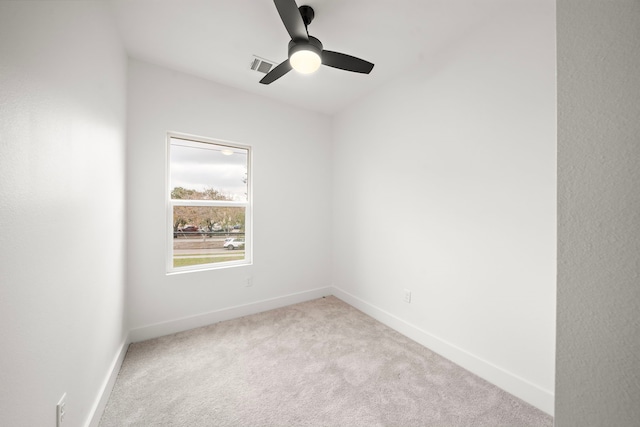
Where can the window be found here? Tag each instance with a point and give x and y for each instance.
(209, 209)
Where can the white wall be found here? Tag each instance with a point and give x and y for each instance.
(292, 204)
(598, 349)
(62, 126)
(444, 184)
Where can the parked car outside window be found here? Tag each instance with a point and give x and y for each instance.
(233, 243)
(189, 229)
(186, 231)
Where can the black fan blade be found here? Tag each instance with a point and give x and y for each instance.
(292, 19)
(346, 62)
(276, 73)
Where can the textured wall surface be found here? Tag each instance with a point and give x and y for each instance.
(291, 183)
(598, 331)
(62, 251)
(444, 184)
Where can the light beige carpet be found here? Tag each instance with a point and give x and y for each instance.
(318, 363)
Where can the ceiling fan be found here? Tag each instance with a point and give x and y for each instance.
(306, 52)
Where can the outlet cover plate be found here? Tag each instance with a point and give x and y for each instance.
(407, 295)
(61, 410)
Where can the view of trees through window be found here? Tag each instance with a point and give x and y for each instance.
(208, 218)
(208, 194)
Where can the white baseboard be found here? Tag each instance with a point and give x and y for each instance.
(186, 323)
(103, 396)
(511, 383)
(519, 387)
(204, 319)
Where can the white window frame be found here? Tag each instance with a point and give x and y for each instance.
(170, 203)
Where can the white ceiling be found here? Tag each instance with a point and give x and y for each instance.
(216, 39)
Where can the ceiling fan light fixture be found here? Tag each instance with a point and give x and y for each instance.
(305, 52)
(305, 56)
(305, 61)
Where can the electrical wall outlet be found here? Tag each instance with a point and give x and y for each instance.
(61, 410)
(407, 295)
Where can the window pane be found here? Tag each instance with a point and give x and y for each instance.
(208, 235)
(205, 171)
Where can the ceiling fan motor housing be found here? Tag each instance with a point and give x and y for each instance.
(307, 14)
(313, 45)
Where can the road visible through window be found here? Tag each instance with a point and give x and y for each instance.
(209, 199)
